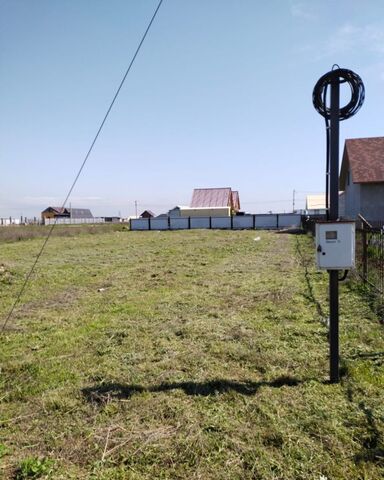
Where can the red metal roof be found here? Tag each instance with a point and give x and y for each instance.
(365, 159)
(235, 200)
(211, 197)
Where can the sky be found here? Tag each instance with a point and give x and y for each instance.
(220, 95)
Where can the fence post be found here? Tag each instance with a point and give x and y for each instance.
(365, 254)
(254, 221)
(210, 222)
(231, 222)
(189, 223)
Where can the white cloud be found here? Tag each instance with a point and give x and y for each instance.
(348, 38)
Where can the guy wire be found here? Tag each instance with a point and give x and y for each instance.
(27, 278)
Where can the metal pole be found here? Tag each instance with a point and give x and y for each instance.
(333, 216)
(365, 253)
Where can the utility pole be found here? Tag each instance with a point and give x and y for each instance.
(333, 217)
(333, 115)
(136, 208)
(293, 202)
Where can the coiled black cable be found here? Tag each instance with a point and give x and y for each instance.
(319, 99)
(343, 76)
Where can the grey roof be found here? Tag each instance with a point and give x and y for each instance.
(80, 212)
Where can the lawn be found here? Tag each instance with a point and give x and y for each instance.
(184, 355)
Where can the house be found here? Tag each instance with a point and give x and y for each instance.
(362, 178)
(216, 197)
(315, 205)
(59, 212)
(147, 214)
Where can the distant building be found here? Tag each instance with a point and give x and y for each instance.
(58, 212)
(362, 178)
(147, 214)
(315, 205)
(215, 197)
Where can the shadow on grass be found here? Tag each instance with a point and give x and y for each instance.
(371, 355)
(310, 295)
(369, 437)
(108, 391)
(292, 231)
(372, 445)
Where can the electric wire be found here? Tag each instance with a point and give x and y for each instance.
(32, 269)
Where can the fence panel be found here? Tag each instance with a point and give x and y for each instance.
(221, 222)
(266, 221)
(139, 224)
(158, 223)
(287, 220)
(179, 223)
(200, 222)
(243, 222)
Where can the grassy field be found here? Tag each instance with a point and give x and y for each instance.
(184, 355)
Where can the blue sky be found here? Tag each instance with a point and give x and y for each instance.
(220, 95)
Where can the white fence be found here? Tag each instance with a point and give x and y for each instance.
(73, 221)
(241, 222)
(10, 221)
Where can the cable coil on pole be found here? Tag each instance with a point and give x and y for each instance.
(319, 99)
(344, 76)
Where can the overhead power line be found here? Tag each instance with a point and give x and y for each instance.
(27, 278)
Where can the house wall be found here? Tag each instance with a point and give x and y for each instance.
(47, 215)
(175, 212)
(352, 201)
(342, 205)
(372, 201)
(206, 212)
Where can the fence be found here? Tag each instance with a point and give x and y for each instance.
(73, 221)
(241, 222)
(10, 221)
(370, 261)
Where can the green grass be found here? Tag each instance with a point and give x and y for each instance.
(190, 355)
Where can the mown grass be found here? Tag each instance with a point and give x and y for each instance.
(193, 354)
(16, 233)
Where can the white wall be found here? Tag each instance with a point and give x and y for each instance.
(73, 221)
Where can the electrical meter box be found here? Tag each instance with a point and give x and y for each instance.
(335, 245)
